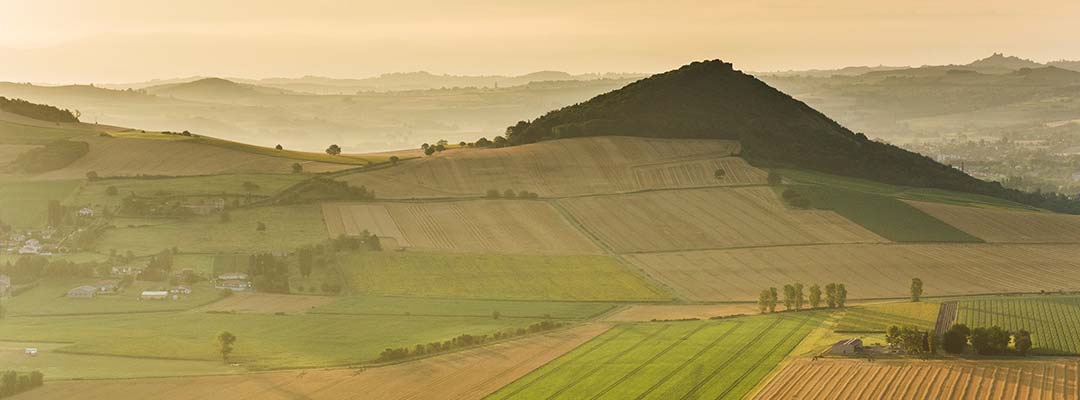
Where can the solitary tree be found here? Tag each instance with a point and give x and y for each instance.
(278, 147)
(789, 297)
(333, 150)
(225, 344)
(772, 300)
(800, 298)
(916, 289)
(394, 160)
(91, 176)
(830, 295)
(720, 173)
(815, 296)
(763, 301)
(429, 150)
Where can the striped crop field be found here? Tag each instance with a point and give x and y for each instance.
(858, 379)
(1052, 320)
(676, 360)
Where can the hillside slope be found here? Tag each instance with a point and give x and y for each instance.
(710, 99)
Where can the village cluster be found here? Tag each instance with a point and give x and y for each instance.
(231, 281)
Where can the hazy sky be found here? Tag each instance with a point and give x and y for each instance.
(127, 40)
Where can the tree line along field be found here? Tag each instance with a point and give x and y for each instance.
(844, 379)
(1007, 225)
(566, 167)
(869, 270)
(1052, 320)
(495, 226)
(468, 374)
(673, 360)
(711, 218)
(496, 276)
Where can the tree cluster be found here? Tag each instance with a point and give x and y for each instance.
(322, 189)
(401, 353)
(911, 340)
(985, 341)
(12, 382)
(794, 198)
(30, 268)
(268, 273)
(41, 112)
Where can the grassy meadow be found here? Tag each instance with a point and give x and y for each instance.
(411, 306)
(25, 204)
(876, 317)
(287, 228)
(495, 276)
(264, 341)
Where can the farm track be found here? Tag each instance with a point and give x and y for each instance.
(946, 318)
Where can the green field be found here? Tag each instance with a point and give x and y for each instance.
(875, 318)
(495, 276)
(94, 193)
(16, 133)
(287, 228)
(372, 305)
(264, 341)
(49, 298)
(1054, 321)
(884, 215)
(676, 360)
(59, 365)
(25, 204)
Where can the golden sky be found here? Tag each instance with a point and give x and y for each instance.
(127, 40)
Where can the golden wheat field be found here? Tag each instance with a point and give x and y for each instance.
(470, 374)
(868, 270)
(565, 168)
(497, 226)
(708, 218)
(118, 156)
(860, 379)
(1007, 226)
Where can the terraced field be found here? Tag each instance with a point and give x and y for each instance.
(1007, 225)
(466, 375)
(1052, 320)
(868, 270)
(858, 379)
(495, 226)
(495, 276)
(709, 218)
(677, 360)
(565, 167)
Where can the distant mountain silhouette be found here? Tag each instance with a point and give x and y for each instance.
(213, 88)
(710, 99)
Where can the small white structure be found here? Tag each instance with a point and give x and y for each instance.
(847, 347)
(154, 295)
(86, 212)
(233, 276)
(180, 290)
(127, 270)
(30, 351)
(83, 292)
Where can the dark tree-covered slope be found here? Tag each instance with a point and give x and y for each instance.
(41, 112)
(710, 99)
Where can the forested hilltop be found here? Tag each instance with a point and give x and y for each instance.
(41, 112)
(710, 99)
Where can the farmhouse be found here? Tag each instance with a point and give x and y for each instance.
(83, 292)
(5, 285)
(154, 295)
(847, 347)
(86, 212)
(236, 285)
(127, 270)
